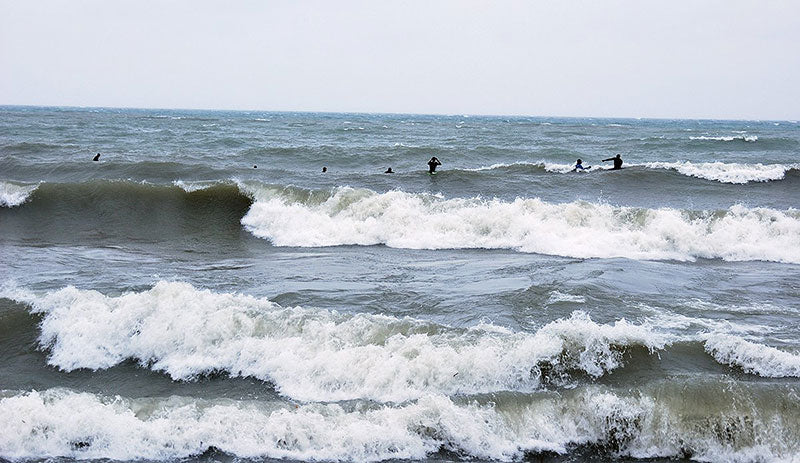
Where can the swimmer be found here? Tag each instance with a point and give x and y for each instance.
(324, 169)
(389, 171)
(579, 166)
(96, 157)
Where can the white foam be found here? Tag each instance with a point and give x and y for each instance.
(317, 354)
(753, 357)
(558, 296)
(12, 194)
(747, 138)
(191, 187)
(727, 172)
(60, 423)
(578, 229)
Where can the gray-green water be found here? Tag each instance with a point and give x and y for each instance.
(171, 301)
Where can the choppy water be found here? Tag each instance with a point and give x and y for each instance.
(171, 301)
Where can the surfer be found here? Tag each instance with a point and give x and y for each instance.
(579, 166)
(432, 165)
(96, 157)
(389, 171)
(324, 169)
(617, 162)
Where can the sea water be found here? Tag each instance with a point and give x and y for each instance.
(204, 292)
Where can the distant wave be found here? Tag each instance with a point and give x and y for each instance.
(728, 172)
(745, 138)
(581, 229)
(736, 173)
(312, 354)
(12, 194)
(707, 422)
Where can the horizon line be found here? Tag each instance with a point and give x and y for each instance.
(389, 113)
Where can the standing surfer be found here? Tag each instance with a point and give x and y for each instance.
(432, 165)
(617, 162)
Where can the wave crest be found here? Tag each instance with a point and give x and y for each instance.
(317, 354)
(728, 172)
(666, 423)
(580, 229)
(12, 194)
(753, 358)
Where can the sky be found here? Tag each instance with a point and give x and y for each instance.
(728, 59)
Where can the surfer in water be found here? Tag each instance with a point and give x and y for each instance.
(617, 162)
(96, 157)
(389, 171)
(432, 165)
(579, 166)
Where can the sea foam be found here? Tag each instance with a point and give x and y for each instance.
(12, 194)
(728, 172)
(753, 357)
(349, 216)
(313, 354)
(61, 423)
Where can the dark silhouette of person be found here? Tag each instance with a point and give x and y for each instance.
(617, 162)
(432, 164)
(579, 166)
(96, 157)
(389, 171)
(255, 167)
(324, 169)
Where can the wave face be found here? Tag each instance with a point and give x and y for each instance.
(660, 422)
(578, 229)
(317, 354)
(109, 211)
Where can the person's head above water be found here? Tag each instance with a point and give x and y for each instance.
(389, 171)
(578, 162)
(324, 169)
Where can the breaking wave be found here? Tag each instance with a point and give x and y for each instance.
(578, 229)
(12, 194)
(728, 172)
(311, 354)
(671, 421)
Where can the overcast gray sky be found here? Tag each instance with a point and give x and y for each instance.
(719, 59)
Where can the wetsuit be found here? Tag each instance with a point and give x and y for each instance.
(432, 165)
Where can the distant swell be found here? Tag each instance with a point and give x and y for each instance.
(577, 229)
(733, 173)
(741, 138)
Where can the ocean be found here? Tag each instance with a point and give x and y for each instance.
(204, 292)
